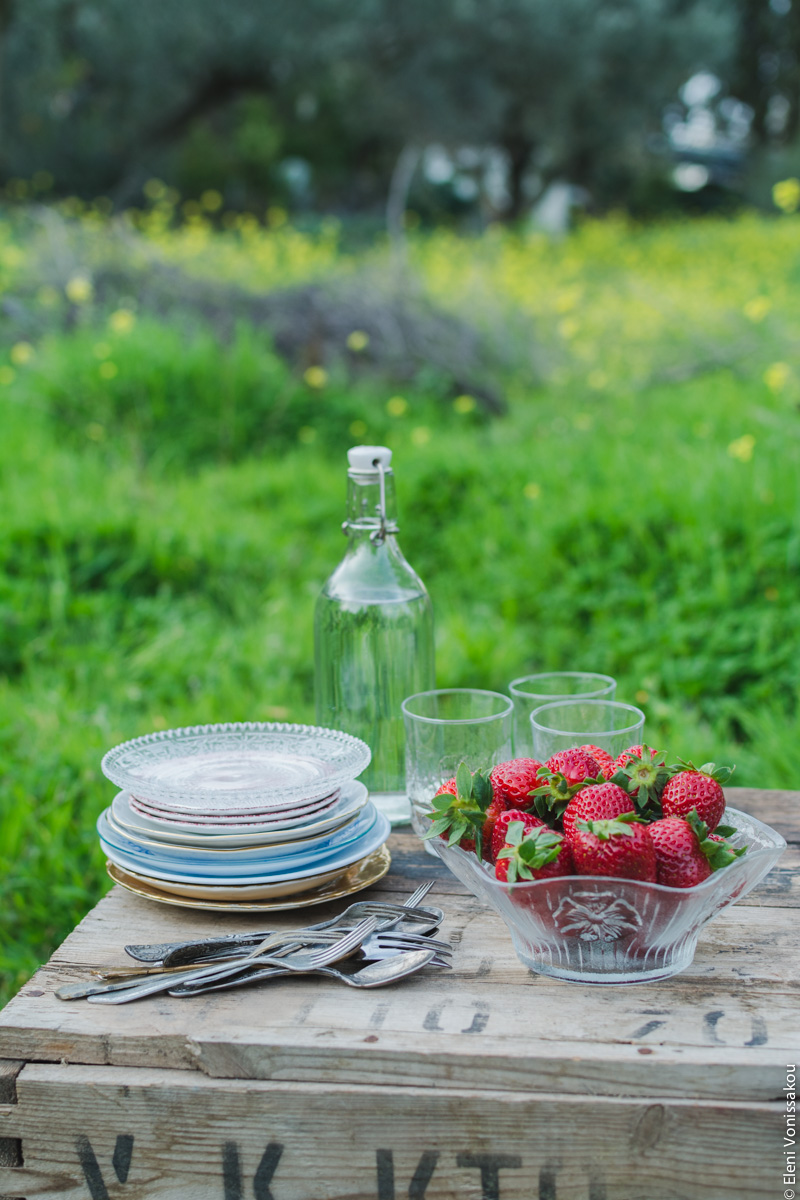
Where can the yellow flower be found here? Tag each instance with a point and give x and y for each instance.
(532, 491)
(316, 377)
(108, 370)
(641, 697)
(79, 288)
(742, 448)
(306, 434)
(122, 321)
(465, 404)
(357, 340)
(786, 195)
(397, 406)
(777, 376)
(101, 350)
(7, 375)
(421, 435)
(154, 189)
(21, 354)
(276, 216)
(358, 428)
(756, 309)
(211, 200)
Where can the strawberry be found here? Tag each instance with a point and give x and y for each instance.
(515, 780)
(539, 853)
(575, 765)
(529, 821)
(699, 789)
(496, 809)
(597, 802)
(686, 853)
(621, 848)
(563, 775)
(643, 772)
(604, 760)
(458, 817)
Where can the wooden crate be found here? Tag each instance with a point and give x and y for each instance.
(483, 1082)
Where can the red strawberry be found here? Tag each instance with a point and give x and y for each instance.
(574, 765)
(621, 848)
(539, 853)
(496, 809)
(563, 775)
(458, 817)
(646, 774)
(603, 759)
(529, 821)
(596, 802)
(686, 853)
(697, 789)
(515, 780)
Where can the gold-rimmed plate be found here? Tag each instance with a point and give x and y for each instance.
(355, 878)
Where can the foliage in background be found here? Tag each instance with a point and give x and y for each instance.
(314, 102)
(172, 494)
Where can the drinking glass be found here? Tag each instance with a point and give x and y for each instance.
(531, 691)
(566, 723)
(444, 728)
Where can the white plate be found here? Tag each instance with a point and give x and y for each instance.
(353, 798)
(248, 766)
(219, 864)
(358, 849)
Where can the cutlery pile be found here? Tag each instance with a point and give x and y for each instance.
(373, 944)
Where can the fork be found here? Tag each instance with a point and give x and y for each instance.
(375, 974)
(376, 947)
(172, 953)
(292, 958)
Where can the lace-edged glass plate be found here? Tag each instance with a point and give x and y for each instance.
(247, 766)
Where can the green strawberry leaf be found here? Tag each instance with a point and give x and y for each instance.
(482, 790)
(726, 831)
(464, 780)
(611, 827)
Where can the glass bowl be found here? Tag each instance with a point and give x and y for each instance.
(595, 929)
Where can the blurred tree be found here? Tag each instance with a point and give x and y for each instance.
(766, 74)
(105, 94)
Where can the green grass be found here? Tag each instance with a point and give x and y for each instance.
(167, 524)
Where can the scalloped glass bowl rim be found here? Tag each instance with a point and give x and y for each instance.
(773, 850)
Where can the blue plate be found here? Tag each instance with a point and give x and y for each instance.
(362, 845)
(229, 864)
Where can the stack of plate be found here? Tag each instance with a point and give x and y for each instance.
(242, 816)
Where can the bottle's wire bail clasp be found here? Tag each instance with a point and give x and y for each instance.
(378, 536)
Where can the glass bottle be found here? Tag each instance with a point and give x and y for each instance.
(373, 632)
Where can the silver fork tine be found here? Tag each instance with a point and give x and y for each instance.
(419, 894)
(346, 944)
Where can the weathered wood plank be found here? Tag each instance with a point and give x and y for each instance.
(10, 1147)
(740, 994)
(169, 1137)
(777, 808)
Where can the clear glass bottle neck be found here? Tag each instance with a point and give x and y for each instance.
(371, 505)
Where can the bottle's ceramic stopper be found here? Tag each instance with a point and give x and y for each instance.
(367, 458)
